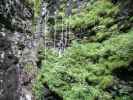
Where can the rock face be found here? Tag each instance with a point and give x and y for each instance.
(15, 28)
(8, 73)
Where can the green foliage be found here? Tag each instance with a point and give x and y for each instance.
(85, 70)
(29, 2)
(98, 19)
(37, 8)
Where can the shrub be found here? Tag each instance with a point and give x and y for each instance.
(85, 70)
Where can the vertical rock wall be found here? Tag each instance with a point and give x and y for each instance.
(15, 28)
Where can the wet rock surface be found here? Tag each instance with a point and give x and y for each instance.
(15, 41)
(8, 72)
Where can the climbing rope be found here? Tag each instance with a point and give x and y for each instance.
(60, 44)
(55, 34)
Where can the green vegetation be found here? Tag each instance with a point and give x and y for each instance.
(86, 69)
(37, 8)
(98, 20)
(29, 2)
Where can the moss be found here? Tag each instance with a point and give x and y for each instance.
(37, 7)
(29, 3)
(28, 67)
